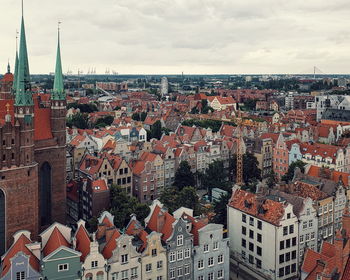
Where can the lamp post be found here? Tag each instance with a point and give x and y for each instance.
(81, 273)
(107, 269)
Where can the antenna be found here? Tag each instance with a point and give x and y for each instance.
(22, 8)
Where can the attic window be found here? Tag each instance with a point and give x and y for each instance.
(247, 204)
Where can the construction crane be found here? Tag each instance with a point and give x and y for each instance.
(239, 175)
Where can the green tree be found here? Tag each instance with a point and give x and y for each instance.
(220, 210)
(271, 179)
(78, 120)
(143, 116)
(122, 206)
(290, 174)
(136, 116)
(215, 176)
(251, 171)
(156, 130)
(183, 176)
(173, 199)
(104, 121)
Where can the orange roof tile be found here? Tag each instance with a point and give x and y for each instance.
(19, 246)
(42, 122)
(111, 244)
(99, 186)
(82, 242)
(55, 241)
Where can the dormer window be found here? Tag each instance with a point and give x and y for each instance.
(180, 240)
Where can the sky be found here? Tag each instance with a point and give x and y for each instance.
(174, 36)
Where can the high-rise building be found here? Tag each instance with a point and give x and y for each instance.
(32, 151)
(164, 86)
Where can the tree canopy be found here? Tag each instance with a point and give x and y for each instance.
(183, 176)
(290, 174)
(104, 121)
(156, 131)
(251, 171)
(173, 199)
(78, 120)
(215, 176)
(220, 209)
(122, 206)
(84, 108)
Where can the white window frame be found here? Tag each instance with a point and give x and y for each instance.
(63, 269)
(180, 240)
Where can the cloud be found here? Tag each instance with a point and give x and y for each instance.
(171, 36)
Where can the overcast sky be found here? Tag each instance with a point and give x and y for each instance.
(171, 36)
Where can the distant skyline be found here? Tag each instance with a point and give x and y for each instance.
(171, 36)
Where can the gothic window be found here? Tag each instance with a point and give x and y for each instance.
(45, 193)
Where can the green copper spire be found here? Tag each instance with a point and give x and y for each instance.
(23, 92)
(58, 88)
(16, 68)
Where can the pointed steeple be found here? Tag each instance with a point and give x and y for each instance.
(8, 68)
(58, 87)
(16, 67)
(23, 90)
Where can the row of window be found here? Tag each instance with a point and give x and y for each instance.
(149, 266)
(200, 263)
(219, 275)
(251, 221)
(287, 270)
(179, 255)
(251, 259)
(308, 237)
(288, 243)
(179, 272)
(251, 234)
(251, 247)
(285, 230)
(288, 256)
(124, 274)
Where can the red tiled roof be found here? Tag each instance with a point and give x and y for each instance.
(310, 260)
(322, 150)
(196, 225)
(82, 242)
(19, 246)
(42, 122)
(3, 109)
(335, 176)
(99, 185)
(77, 140)
(138, 167)
(55, 241)
(167, 229)
(111, 244)
(8, 77)
(247, 202)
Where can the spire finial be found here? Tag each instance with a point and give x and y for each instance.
(22, 8)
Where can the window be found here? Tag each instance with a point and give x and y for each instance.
(221, 274)
(94, 264)
(179, 271)
(281, 272)
(180, 240)
(281, 258)
(187, 253)
(215, 245)
(159, 265)
(244, 218)
(220, 258)
(301, 239)
(211, 261)
(154, 252)
(258, 263)
(251, 234)
(172, 257)
(134, 272)
(244, 243)
(288, 216)
(172, 273)
(63, 267)
(206, 248)
(159, 277)
(115, 276)
(287, 243)
(148, 267)
(251, 221)
(201, 277)
(251, 259)
(285, 231)
(211, 276)
(287, 256)
(20, 275)
(251, 246)
(294, 255)
(291, 229)
(259, 225)
(124, 258)
(310, 223)
(287, 269)
(187, 269)
(200, 264)
(294, 267)
(180, 255)
(258, 237)
(99, 275)
(258, 250)
(244, 230)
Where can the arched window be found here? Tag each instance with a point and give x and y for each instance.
(45, 193)
(2, 222)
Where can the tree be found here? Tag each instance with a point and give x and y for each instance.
(290, 174)
(122, 206)
(173, 199)
(136, 116)
(104, 121)
(220, 209)
(271, 179)
(215, 176)
(251, 170)
(156, 131)
(183, 176)
(78, 120)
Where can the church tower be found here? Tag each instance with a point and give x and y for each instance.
(18, 170)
